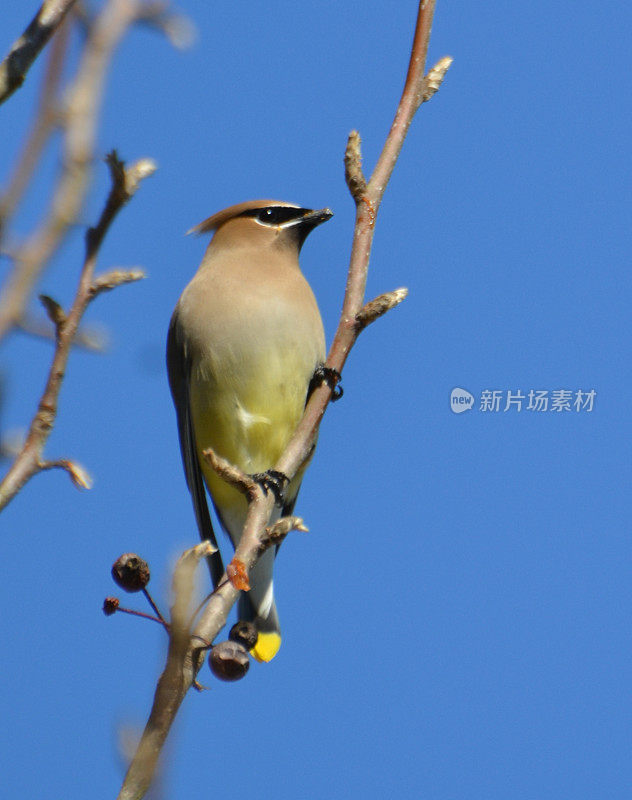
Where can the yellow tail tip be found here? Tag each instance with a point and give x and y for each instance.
(267, 646)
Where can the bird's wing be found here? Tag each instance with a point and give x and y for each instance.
(178, 369)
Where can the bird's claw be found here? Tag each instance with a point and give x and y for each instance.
(330, 376)
(272, 481)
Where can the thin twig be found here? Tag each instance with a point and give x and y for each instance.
(125, 182)
(77, 474)
(179, 29)
(352, 320)
(26, 49)
(88, 338)
(80, 122)
(116, 277)
(275, 534)
(45, 122)
(171, 688)
(155, 608)
(230, 473)
(133, 612)
(176, 679)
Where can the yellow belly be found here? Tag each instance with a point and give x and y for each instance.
(247, 415)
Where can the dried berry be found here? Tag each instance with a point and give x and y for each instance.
(110, 604)
(229, 661)
(130, 572)
(244, 633)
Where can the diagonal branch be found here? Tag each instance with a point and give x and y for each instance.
(80, 123)
(355, 316)
(88, 338)
(367, 196)
(47, 119)
(26, 49)
(125, 182)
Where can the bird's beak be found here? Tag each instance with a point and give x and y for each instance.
(314, 218)
(304, 225)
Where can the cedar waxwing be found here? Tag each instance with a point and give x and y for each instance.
(244, 342)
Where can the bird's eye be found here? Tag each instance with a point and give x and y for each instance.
(276, 215)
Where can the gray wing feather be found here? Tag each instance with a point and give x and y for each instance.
(178, 369)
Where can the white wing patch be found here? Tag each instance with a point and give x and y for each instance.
(263, 608)
(248, 420)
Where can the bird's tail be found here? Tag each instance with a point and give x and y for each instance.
(269, 638)
(258, 606)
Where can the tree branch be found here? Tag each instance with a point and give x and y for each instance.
(27, 48)
(47, 118)
(80, 121)
(93, 338)
(125, 182)
(230, 473)
(368, 197)
(176, 679)
(172, 688)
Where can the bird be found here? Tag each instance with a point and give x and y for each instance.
(245, 341)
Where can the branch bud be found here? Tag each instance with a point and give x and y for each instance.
(78, 475)
(353, 167)
(379, 306)
(116, 277)
(434, 78)
(276, 533)
(55, 312)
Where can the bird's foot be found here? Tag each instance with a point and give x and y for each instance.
(330, 376)
(272, 481)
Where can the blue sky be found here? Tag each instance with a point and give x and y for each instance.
(456, 623)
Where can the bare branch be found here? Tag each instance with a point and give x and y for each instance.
(276, 533)
(178, 29)
(45, 122)
(27, 48)
(78, 475)
(355, 316)
(91, 338)
(116, 277)
(230, 473)
(184, 658)
(29, 461)
(183, 584)
(367, 206)
(125, 183)
(408, 104)
(80, 121)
